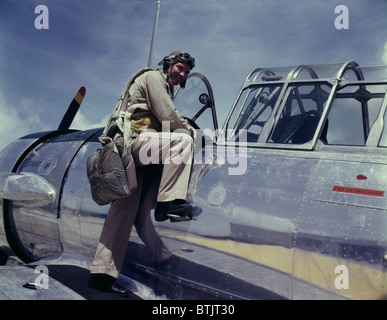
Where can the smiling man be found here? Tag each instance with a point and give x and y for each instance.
(160, 135)
(167, 132)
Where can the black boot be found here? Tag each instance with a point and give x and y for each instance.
(106, 283)
(177, 210)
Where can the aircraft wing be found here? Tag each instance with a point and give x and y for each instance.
(57, 279)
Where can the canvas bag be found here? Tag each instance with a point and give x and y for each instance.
(113, 176)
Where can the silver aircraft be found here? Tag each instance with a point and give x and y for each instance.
(292, 189)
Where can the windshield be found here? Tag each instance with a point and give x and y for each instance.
(196, 102)
(253, 109)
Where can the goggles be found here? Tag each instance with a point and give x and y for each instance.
(185, 57)
(181, 57)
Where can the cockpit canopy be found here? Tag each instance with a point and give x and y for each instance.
(298, 107)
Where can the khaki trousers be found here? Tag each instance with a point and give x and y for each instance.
(135, 210)
(174, 150)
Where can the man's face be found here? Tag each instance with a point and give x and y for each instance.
(179, 72)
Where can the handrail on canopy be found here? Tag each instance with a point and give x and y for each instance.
(324, 72)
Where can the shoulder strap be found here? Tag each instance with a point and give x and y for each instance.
(120, 108)
(125, 95)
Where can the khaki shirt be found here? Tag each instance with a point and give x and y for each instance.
(151, 92)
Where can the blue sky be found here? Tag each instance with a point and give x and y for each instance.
(99, 44)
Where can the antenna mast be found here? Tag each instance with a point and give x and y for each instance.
(151, 52)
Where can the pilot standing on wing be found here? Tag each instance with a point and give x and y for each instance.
(161, 136)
